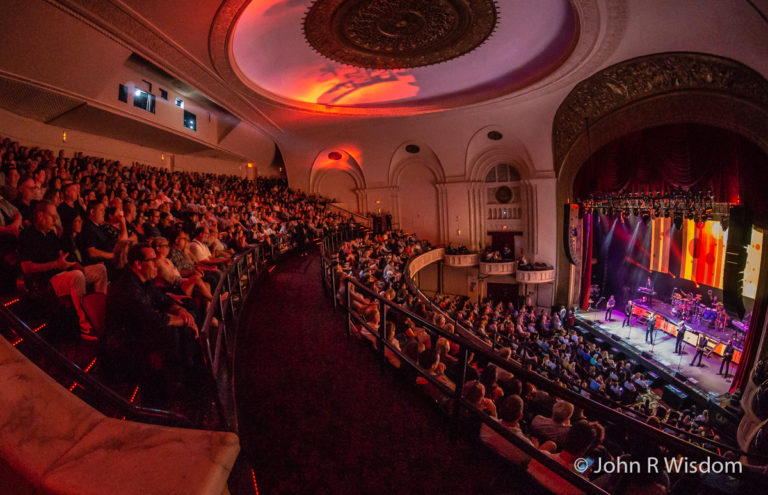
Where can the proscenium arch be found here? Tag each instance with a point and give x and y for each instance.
(661, 89)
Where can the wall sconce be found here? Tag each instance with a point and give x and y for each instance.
(162, 156)
(250, 165)
(378, 201)
(63, 137)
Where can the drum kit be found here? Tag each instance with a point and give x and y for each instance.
(689, 306)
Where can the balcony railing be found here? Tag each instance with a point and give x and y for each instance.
(462, 260)
(535, 276)
(499, 268)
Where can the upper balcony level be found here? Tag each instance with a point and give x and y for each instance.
(498, 268)
(462, 260)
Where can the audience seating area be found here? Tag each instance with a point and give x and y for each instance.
(542, 381)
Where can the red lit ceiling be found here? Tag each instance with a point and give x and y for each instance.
(271, 55)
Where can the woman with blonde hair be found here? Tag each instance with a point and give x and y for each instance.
(169, 276)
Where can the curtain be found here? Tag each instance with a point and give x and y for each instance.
(687, 156)
(586, 260)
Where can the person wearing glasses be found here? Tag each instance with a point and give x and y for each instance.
(147, 335)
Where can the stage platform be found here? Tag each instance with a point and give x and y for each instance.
(663, 352)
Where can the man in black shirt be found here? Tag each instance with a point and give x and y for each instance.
(97, 245)
(701, 346)
(650, 329)
(727, 357)
(70, 206)
(146, 333)
(42, 261)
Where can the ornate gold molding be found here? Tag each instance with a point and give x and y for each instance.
(646, 77)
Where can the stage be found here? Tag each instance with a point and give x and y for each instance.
(663, 351)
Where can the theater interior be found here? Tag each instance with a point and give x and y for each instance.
(458, 246)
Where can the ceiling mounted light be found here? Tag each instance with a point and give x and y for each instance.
(412, 148)
(495, 135)
(334, 155)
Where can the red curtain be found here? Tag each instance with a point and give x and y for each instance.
(586, 260)
(687, 156)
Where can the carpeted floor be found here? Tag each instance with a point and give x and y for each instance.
(319, 414)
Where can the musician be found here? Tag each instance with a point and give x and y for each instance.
(650, 328)
(721, 319)
(701, 346)
(627, 314)
(649, 290)
(609, 308)
(727, 357)
(679, 340)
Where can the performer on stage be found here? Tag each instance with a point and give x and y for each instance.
(627, 314)
(721, 320)
(679, 341)
(701, 346)
(727, 357)
(609, 308)
(650, 328)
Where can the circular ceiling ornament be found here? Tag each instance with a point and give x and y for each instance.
(398, 34)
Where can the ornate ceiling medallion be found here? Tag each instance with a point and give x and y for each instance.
(398, 34)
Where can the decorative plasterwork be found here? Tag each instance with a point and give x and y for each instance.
(645, 77)
(600, 25)
(395, 34)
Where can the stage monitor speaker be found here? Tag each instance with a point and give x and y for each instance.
(681, 376)
(739, 233)
(674, 397)
(646, 355)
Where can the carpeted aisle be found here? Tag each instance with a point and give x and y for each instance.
(319, 414)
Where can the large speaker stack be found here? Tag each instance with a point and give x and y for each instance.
(739, 233)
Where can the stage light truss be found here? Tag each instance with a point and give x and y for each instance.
(699, 206)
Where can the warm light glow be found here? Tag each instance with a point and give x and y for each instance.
(63, 137)
(162, 156)
(250, 165)
(544, 32)
(752, 269)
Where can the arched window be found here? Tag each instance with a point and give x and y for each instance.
(503, 172)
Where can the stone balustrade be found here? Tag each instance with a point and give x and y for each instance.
(535, 276)
(52, 442)
(500, 268)
(461, 260)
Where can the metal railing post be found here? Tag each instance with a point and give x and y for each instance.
(349, 308)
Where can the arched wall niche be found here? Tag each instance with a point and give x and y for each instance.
(417, 183)
(660, 89)
(325, 169)
(485, 154)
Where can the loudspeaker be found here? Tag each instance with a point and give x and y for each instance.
(673, 397)
(681, 376)
(646, 355)
(572, 233)
(739, 233)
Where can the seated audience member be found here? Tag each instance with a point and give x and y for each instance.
(475, 395)
(147, 336)
(25, 200)
(70, 204)
(578, 440)
(170, 276)
(555, 428)
(43, 261)
(96, 244)
(151, 226)
(199, 250)
(510, 414)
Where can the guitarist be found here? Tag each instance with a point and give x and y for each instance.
(701, 346)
